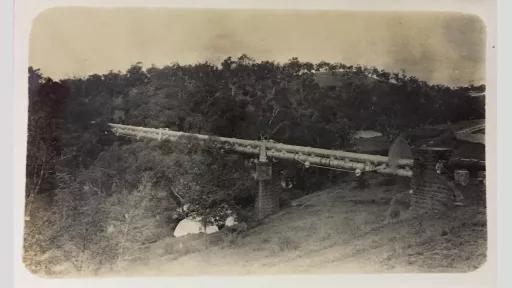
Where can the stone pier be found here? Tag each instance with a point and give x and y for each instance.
(267, 201)
(431, 192)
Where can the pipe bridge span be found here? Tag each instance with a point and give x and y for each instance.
(267, 201)
(309, 156)
(431, 191)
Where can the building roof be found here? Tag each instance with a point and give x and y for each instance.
(367, 134)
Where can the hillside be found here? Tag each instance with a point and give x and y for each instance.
(337, 230)
(97, 202)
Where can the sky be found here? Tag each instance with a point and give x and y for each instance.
(438, 47)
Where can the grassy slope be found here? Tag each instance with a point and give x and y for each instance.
(338, 230)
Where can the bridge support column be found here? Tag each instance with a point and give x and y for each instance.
(267, 201)
(431, 192)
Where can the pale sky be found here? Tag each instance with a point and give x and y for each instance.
(445, 48)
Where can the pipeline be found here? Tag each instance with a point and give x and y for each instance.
(307, 155)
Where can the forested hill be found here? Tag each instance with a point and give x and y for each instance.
(73, 159)
(247, 99)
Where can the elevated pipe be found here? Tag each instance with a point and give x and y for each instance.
(316, 156)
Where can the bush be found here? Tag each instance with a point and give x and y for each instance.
(399, 206)
(233, 234)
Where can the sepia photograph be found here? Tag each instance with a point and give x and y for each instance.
(234, 142)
